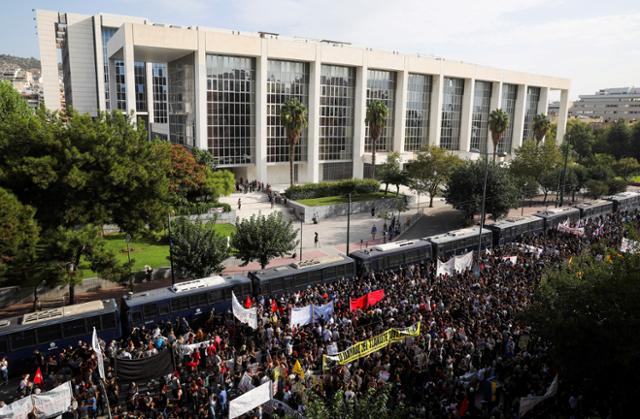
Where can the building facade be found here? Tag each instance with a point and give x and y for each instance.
(609, 105)
(222, 91)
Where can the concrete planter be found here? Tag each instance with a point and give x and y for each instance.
(304, 212)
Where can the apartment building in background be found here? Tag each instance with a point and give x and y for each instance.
(609, 105)
(222, 91)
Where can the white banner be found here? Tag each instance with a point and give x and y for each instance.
(301, 316)
(629, 246)
(512, 259)
(447, 268)
(19, 409)
(188, 349)
(528, 403)
(248, 316)
(566, 228)
(322, 312)
(95, 343)
(54, 402)
(250, 400)
(463, 262)
(531, 249)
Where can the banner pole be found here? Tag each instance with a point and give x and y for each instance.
(106, 397)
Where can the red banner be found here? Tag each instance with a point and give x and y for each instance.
(367, 300)
(358, 303)
(374, 297)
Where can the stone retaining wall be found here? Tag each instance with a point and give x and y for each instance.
(304, 212)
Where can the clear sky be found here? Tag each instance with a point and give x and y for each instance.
(595, 43)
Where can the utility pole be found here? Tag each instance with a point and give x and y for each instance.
(173, 274)
(484, 197)
(301, 222)
(348, 223)
(564, 171)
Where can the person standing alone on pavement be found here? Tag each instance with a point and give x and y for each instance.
(374, 230)
(316, 239)
(239, 203)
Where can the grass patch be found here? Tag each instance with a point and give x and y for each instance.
(144, 252)
(330, 200)
(635, 179)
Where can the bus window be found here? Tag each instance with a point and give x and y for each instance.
(199, 300)
(49, 333)
(91, 323)
(316, 276)
(23, 339)
(150, 310)
(136, 317)
(74, 328)
(4, 348)
(108, 321)
(164, 308)
(180, 303)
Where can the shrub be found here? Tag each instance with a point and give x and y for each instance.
(335, 188)
(596, 188)
(225, 207)
(616, 185)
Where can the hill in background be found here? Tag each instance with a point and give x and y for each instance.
(7, 60)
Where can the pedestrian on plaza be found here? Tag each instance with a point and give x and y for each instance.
(374, 230)
(4, 370)
(316, 240)
(239, 203)
(384, 235)
(373, 211)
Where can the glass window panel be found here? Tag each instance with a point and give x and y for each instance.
(508, 105)
(381, 85)
(285, 80)
(533, 97)
(417, 117)
(480, 116)
(336, 110)
(452, 94)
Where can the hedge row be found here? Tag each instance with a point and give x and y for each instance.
(336, 188)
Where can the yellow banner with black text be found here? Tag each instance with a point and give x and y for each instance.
(369, 346)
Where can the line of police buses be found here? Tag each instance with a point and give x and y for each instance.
(51, 330)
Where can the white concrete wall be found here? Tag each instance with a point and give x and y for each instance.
(45, 22)
(82, 62)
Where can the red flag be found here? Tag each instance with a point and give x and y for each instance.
(358, 303)
(375, 297)
(38, 379)
(464, 406)
(274, 306)
(247, 302)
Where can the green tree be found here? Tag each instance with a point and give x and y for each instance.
(596, 188)
(12, 105)
(220, 183)
(498, 124)
(67, 251)
(431, 170)
(540, 163)
(198, 251)
(464, 190)
(372, 405)
(589, 312)
(376, 119)
(619, 139)
(626, 167)
(391, 173)
(19, 236)
(635, 140)
(581, 138)
(294, 119)
(540, 126)
(262, 238)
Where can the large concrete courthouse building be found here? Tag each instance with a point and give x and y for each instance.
(222, 91)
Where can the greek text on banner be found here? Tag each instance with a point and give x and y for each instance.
(366, 347)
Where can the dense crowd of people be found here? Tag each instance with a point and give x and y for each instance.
(474, 357)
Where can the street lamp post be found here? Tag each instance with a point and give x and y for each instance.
(348, 222)
(564, 170)
(173, 274)
(128, 239)
(301, 223)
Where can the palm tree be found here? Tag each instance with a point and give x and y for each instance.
(498, 124)
(377, 113)
(540, 126)
(293, 117)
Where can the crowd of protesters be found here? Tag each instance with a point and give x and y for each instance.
(474, 356)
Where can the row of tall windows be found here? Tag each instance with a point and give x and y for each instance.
(452, 95)
(418, 106)
(140, 77)
(381, 85)
(285, 80)
(480, 116)
(231, 92)
(337, 97)
(533, 97)
(160, 93)
(509, 97)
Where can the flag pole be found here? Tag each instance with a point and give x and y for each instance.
(104, 392)
(95, 343)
